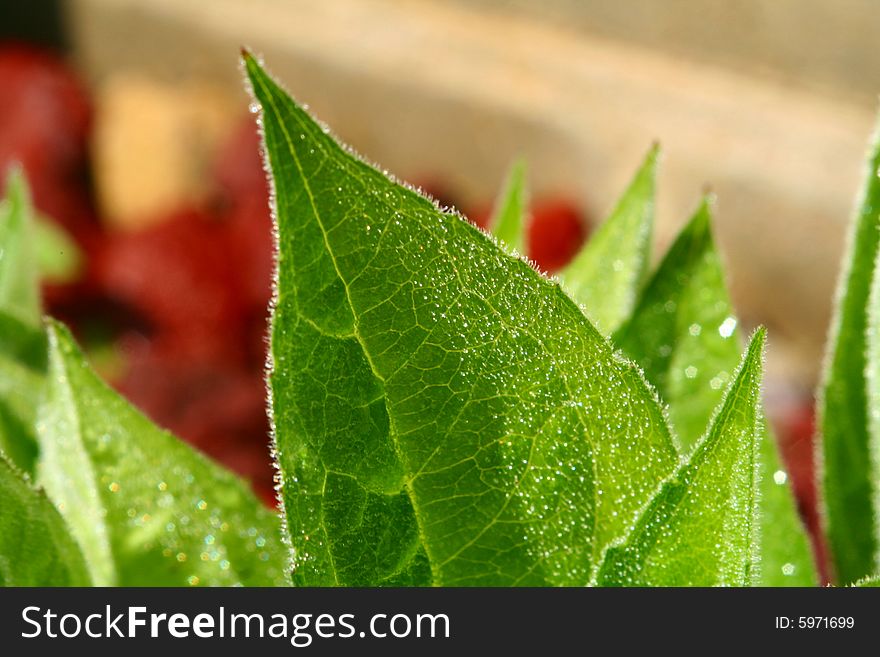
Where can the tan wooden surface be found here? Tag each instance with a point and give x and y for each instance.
(422, 86)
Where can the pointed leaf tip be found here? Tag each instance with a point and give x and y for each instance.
(850, 434)
(464, 380)
(16, 185)
(19, 289)
(703, 218)
(701, 526)
(101, 458)
(606, 275)
(684, 335)
(758, 340)
(509, 215)
(677, 323)
(652, 157)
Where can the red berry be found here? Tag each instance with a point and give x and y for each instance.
(44, 124)
(555, 233)
(178, 274)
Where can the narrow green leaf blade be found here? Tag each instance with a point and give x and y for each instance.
(872, 375)
(848, 479)
(700, 529)
(146, 508)
(786, 557)
(605, 277)
(59, 259)
(443, 414)
(19, 292)
(36, 548)
(22, 344)
(509, 216)
(683, 333)
(22, 379)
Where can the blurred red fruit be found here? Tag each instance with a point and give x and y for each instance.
(239, 167)
(555, 234)
(44, 125)
(194, 289)
(177, 274)
(244, 202)
(183, 302)
(217, 406)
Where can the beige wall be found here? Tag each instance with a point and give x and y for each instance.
(458, 90)
(828, 46)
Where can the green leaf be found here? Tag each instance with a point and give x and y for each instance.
(36, 548)
(869, 582)
(146, 508)
(19, 292)
(786, 556)
(683, 333)
(872, 377)
(509, 216)
(605, 277)
(22, 379)
(700, 529)
(22, 344)
(59, 259)
(848, 476)
(443, 414)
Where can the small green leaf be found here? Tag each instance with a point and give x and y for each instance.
(509, 216)
(19, 292)
(443, 413)
(146, 508)
(605, 277)
(683, 333)
(786, 556)
(848, 476)
(36, 548)
(700, 529)
(22, 343)
(22, 379)
(59, 259)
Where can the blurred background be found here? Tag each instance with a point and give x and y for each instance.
(130, 119)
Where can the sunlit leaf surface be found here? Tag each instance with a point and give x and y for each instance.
(605, 277)
(443, 414)
(850, 472)
(701, 528)
(146, 508)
